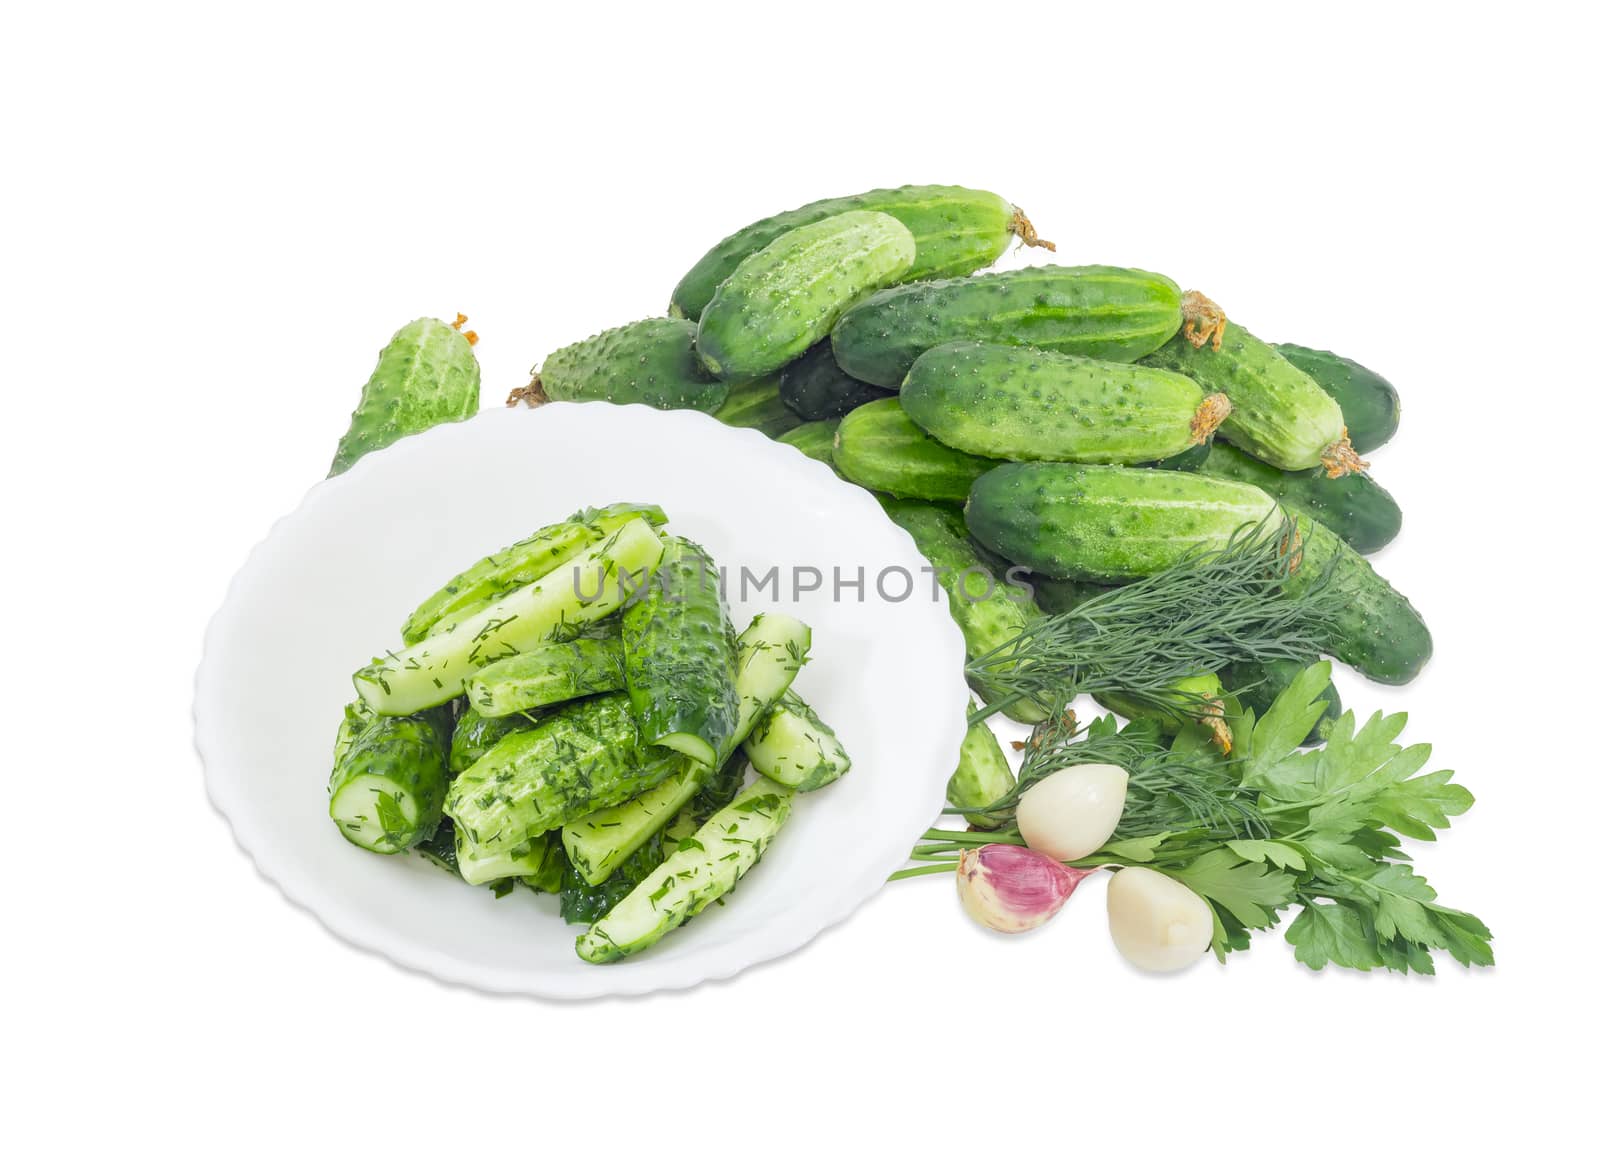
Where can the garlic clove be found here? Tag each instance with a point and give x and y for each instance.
(1157, 922)
(1073, 811)
(1011, 889)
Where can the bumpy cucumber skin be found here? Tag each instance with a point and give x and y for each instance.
(1353, 507)
(879, 447)
(1017, 403)
(1369, 401)
(1280, 415)
(425, 376)
(982, 775)
(814, 387)
(409, 752)
(814, 440)
(1377, 631)
(1255, 685)
(1107, 524)
(786, 297)
(795, 747)
(758, 406)
(475, 734)
(1189, 460)
(651, 362)
(956, 231)
(989, 610)
(547, 675)
(1097, 311)
(680, 657)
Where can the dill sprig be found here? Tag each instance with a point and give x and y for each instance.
(1209, 610)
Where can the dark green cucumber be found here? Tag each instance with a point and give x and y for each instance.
(1280, 415)
(988, 609)
(1107, 524)
(956, 231)
(814, 387)
(475, 734)
(388, 788)
(814, 439)
(520, 564)
(1370, 403)
(758, 406)
(680, 657)
(651, 362)
(584, 757)
(782, 299)
(1062, 595)
(1255, 685)
(1353, 507)
(1096, 311)
(982, 776)
(879, 447)
(425, 376)
(1377, 631)
(1189, 460)
(1014, 402)
(547, 675)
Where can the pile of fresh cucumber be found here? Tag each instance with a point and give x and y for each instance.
(576, 713)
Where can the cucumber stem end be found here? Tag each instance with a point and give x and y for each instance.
(1340, 458)
(1023, 228)
(1211, 414)
(533, 394)
(1203, 320)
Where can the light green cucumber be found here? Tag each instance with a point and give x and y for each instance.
(497, 861)
(814, 439)
(1280, 415)
(982, 776)
(1369, 402)
(1017, 403)
(782, 299)
(680, 658)
(1107, 524)
(758, 407)
(794, 747)
(425, 376)
(956, 231)
(1097, 311)
(548, 674)
(878, 446)
(1200, 696)
(771, 650)
(704, 868)
(520, 564)
(387, 790)
(814, 387)
(651, 362)
(595, 584)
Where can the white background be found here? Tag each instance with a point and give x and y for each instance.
(213, 220)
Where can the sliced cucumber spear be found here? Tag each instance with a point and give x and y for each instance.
(519, 565)
(771, 651)
(792, 746)
(705, 867)
(547, 675)
(436, 669)
(389, 784)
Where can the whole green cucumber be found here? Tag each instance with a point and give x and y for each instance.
(1202, 698)
(814, 387)
(782, 299)
(1107, 524)
(814, 440)
(387, 790)
(1280, 415)
(759, 406)
(1255, 685)
(1062, 595)
(1369, 401)
(1098, 311)
(1014, 402)
(583, 757)
(651, 362)
(989, 609)
(548, 674)
(956, 231)
(1353, 507)
(680, 657)
(879, 447)
(1376, 631)
(520, 564)
(982, 776)
(425, 376)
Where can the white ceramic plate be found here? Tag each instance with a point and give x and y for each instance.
(333, 581)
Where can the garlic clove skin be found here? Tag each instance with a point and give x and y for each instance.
(1157, 923)
(1073, 812)
(1012, 889)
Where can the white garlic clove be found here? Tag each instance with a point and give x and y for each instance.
(1157, 923)
(1072, 812)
